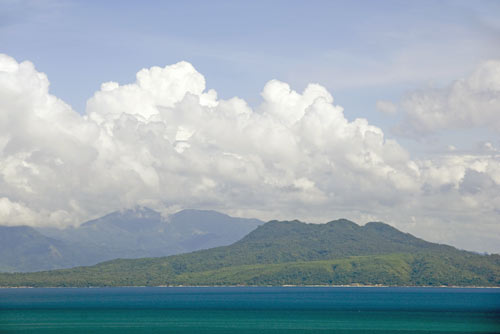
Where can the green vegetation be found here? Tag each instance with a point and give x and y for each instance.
(292, 253)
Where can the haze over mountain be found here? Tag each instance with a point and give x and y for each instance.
(140, 232)
(292, 252)
(22, 247)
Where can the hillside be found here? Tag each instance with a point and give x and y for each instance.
(143, 232)
(279, 253)
(24, 247)
(136, 233)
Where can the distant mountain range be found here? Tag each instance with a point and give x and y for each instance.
(292, 253)
(141, 232)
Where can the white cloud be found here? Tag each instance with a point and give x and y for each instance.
(386, 107)
(470, 102)
(165, 142)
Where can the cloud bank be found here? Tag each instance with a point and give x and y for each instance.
(470, 102)
(167, 142)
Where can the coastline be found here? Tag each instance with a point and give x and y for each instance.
(255, 286)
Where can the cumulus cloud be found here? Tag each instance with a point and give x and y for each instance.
(470, 102)
(167, 142)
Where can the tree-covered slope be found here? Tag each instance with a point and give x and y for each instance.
(280, 253)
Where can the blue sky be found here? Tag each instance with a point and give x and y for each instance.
(350, 47)
(431, 67)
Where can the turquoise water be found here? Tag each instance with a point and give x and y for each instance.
(250, 310)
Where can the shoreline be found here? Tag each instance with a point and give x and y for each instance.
(254, 286)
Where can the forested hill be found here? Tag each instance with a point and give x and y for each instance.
(291, 252)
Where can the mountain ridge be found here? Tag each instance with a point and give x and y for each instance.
(133, 233)
(292, 253)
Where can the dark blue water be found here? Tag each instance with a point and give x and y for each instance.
(250, 310)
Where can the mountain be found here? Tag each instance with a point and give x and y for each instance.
(291, 252)
(24, 247)
(202, 229)
(136, 233)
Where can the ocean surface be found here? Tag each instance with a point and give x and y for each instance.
(250, 310)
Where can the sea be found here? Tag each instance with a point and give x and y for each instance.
(250, 310)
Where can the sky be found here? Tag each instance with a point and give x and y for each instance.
(372, 111)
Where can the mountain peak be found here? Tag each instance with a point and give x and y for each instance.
(342, 222)
(129, 219)
(340, 237)
(194, 213)
(137, 212)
